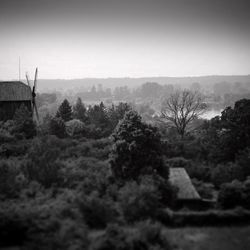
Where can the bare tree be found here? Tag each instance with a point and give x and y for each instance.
(181, 108)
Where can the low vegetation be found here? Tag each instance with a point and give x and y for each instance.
(97, 177)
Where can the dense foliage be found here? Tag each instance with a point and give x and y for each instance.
(96, 177)
(137, 149)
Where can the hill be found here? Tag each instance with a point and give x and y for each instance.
(62, 84)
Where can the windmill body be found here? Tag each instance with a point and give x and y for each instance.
(15, 93)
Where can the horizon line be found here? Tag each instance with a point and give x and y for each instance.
(137, 77)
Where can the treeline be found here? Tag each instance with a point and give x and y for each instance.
(95, 121)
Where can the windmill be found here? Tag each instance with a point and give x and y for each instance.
(33, 94)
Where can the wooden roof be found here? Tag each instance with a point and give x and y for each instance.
(14, 91)
(179, 178)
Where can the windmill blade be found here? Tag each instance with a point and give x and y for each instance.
(36, 111)
(35, 80)
(28, 80)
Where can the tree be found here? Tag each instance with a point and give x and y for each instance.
(24, 122)
(137, 149)
(181, 108)
(150, 90)
(236, 123)
(229, 134)
(57, 127)
(98, 116)
(65, 111)
(79, 111)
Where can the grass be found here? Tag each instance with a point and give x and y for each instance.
(209, 238)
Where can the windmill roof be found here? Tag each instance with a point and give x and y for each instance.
(14, 91)
(179, 178)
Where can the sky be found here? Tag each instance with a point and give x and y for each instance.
(69, 39)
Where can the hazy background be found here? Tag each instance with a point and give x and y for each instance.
(78, 39)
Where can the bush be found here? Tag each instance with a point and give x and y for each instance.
(24, 123)
(167, 192)
(146, 235)
(225, 173)
(46, 224)
(205, 190)
(99, 149)
(42, 163)
(94, 175)
(57, 127)
(217, 218)
(235, 194)
(230, 195)
(75, 128)
(17, 148)
(138, 201)
(11, 179)
(97, 212)
(246, 194)
(243, 161)
(5, 136)
(178, 162)
(200, 171)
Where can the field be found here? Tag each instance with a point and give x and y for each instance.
(209, 238)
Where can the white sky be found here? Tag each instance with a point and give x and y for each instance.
(157, 38)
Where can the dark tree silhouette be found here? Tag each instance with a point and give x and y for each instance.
(181, 108)
(24, 122)
(57, 127)
(98, 116)
(136, 150)
(65, 111)
(79, 110)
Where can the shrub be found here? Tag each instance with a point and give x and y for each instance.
(237, 216)
(47, 224)
(113, 238)
(146, 235)
(75, 128)
(16, 148)
(246, 194)
(225, 173)
(178, 162)
(138, 201)
(5, 136)
(205, 190)
(230, 195)
(235, 194)
(167, 192)
(72, 235)
(97, 211)
(94, 175)
(24, 123)
(57, 127)
(42, 163)
(149, 234)
(243, 161)
(11, 179)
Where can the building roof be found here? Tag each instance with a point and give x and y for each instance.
(179, 178)
(14, 91)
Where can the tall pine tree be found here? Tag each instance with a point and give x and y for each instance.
(65, 111)
(79, 111)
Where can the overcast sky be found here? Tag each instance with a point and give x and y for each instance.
(115, 38)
